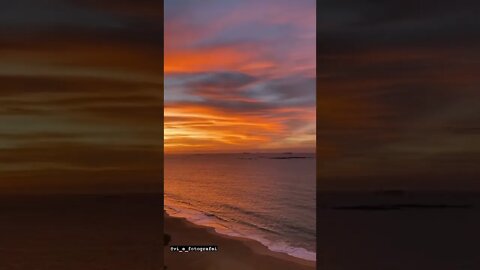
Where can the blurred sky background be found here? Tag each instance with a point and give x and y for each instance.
(80, 95)
(398, 94)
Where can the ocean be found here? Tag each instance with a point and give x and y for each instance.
(269, 198)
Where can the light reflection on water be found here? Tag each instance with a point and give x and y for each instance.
(267, 197)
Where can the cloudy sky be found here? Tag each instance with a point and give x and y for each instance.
(80, 95)
(399, 94)
(81, 80)
(239, 75)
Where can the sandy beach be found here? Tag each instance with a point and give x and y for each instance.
(233, 253)
(84, 232)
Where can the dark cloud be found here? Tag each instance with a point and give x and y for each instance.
(288, 91)
(351, 26)
(60, 22)
(46, 14)
(82, 155)
(239, 91)
(30, 85)
(221, 80)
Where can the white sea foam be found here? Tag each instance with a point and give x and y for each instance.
(269, 198)
(225, 228)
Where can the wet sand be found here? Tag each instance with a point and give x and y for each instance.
(233, 253)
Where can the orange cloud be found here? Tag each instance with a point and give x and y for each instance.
(230, 58)
(239, 79)
(193, 127)
(205, 60)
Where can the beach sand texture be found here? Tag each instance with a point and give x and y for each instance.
(233, 253)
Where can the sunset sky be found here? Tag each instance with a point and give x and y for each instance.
(399, 94)
(80, 95)
(239, 75)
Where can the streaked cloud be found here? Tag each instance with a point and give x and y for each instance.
(80, 96)
(240, 75)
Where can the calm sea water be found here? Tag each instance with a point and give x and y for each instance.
(266, 197)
